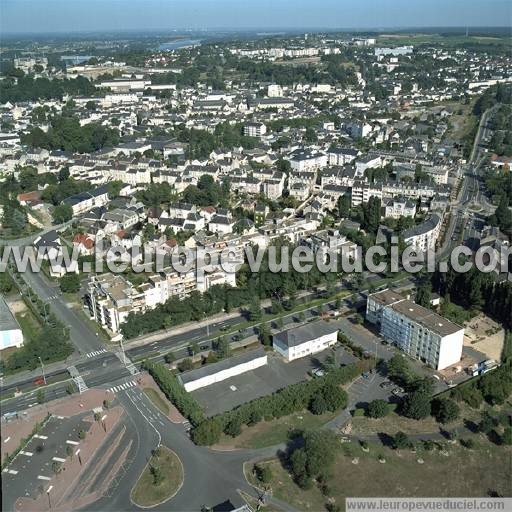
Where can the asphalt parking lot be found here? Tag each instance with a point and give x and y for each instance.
(30, 472)
(265, 380)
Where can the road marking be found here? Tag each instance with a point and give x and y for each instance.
(7, 439)
(74, 443)
(122, 387)
(28, 454)
(42, 477)
(96, 353)
(37, 436)
(58, 459)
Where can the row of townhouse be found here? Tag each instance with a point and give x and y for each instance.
(363, 190)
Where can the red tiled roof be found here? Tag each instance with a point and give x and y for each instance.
(84, 240)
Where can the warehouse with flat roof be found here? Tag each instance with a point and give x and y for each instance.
(225, 369)
(10, 330)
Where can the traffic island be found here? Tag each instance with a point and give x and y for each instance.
(160, 481)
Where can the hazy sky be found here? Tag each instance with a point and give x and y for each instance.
(104, 15)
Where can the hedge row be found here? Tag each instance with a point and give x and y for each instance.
(175, 392)
(286, 401)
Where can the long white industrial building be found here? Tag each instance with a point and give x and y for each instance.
(10, 331)
(225, 369)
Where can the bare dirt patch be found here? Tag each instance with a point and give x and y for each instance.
(485, 335)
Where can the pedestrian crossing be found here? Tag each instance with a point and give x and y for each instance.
(96, 353)
(122, 387)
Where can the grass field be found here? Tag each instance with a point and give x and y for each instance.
(29, 324)
(270, 433)
(146, 493)
(453, 40)
(468, 473)
(157, 400)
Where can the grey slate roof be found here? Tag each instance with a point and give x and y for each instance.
(7, 320)
(304, 333)
(212, 369)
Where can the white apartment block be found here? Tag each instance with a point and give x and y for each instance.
(305, 160)
(399, 207)
(110, 298)
(423, 237)
(255, 130)
(417, 331)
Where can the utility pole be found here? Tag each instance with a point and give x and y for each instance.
(42, 369)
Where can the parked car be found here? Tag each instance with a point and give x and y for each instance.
(317, 372)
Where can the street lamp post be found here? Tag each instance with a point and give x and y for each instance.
(122, 350)
(42, 369)
(48, 494)
(207, 326)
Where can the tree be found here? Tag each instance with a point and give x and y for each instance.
(255, 310)
(264, 335)
(506, 438)
(417, 403)
(234, 427)
(6, 284)
(56, 467)
(318, 405)
(263, 473)
(486, 424)
(63, 173)
(335, 397)
(185, 365)
(298, 464)
(254, 417)
(62, 213)
(445, 410)
(40, 396)
(169, 357)
(400, 441)
(114, 188)
(70, 283)
(423, 293)
(378, 408)
(157, 474)
(207, 432)
(399, 371)
(222, 347)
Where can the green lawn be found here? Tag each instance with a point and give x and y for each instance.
(270, 433)
(29, 324)
(469, 473)
(157, 400)
(146, 493)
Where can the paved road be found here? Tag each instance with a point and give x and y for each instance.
(211, 477)
(81, 334)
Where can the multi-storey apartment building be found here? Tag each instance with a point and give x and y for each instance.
(418, 331)
(423, 237)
